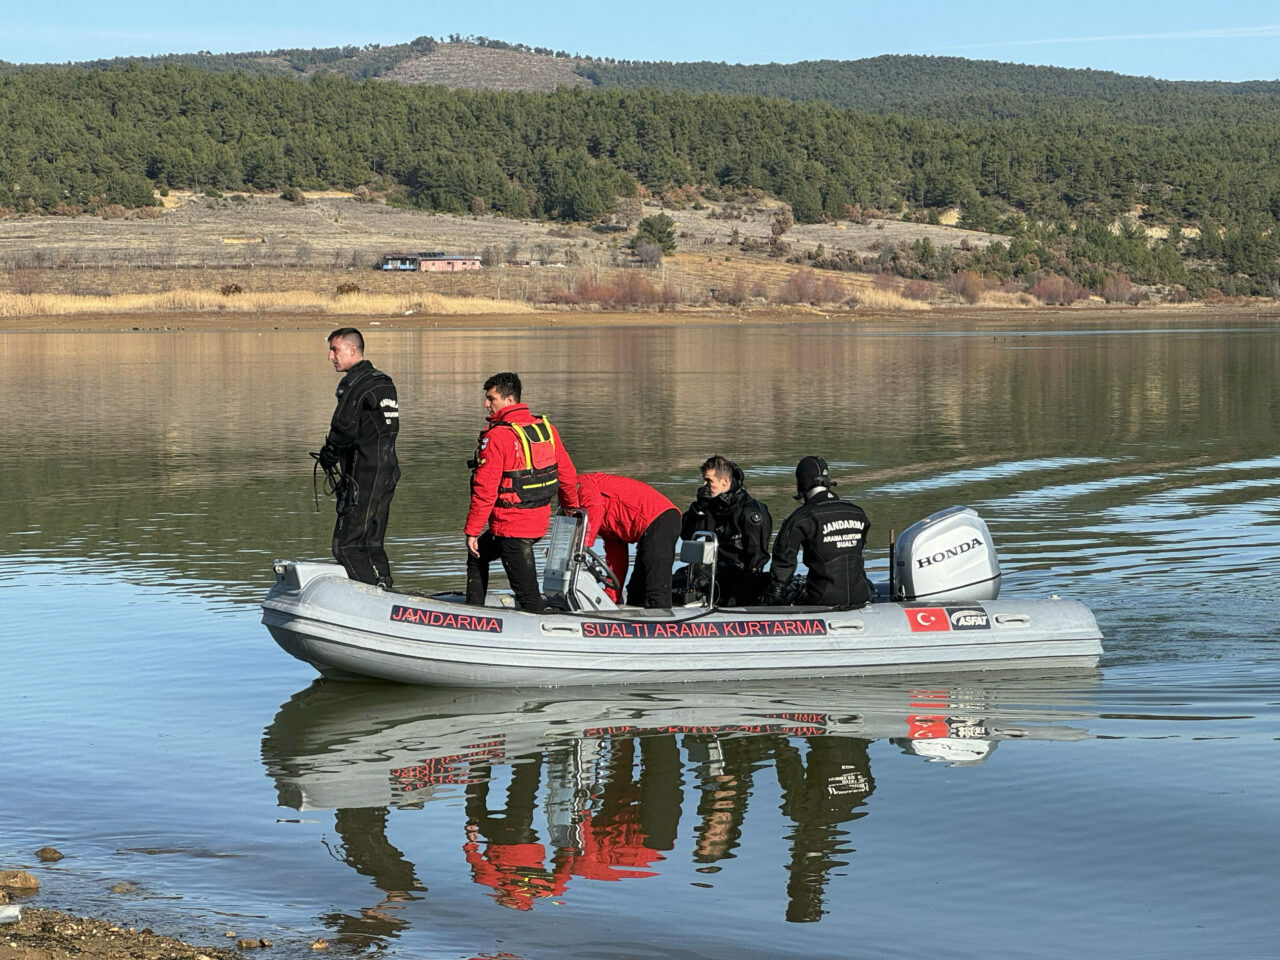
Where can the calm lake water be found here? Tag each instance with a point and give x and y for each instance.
(152, 731)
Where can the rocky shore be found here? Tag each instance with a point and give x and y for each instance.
(28, 932)
(43, 934)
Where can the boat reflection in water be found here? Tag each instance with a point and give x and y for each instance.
(603, 770)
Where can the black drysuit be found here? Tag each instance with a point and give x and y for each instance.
(362, 438)
(742, 527)
(832, 532)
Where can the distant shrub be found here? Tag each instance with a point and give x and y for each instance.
(918, 290)
(231, 289)
(213, 193)
(346, 288)
(633, 288)
(831, 290)
(293, 195)
(1116, 288)
(735, 294)
(26, 282)
(1052, 288)
(967, 285)
(801, 287)
(650, 254)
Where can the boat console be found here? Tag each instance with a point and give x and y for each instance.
(575, 576)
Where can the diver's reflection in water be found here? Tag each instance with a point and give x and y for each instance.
(365, 848)
(821, 788)
(559, 792)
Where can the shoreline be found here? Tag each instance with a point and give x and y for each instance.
(45, 933)
(263, 322)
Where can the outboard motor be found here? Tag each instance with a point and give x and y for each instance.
(948, 556)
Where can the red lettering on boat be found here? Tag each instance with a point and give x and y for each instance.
(449, 621)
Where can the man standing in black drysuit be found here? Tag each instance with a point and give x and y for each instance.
(832, 532)
(361, 446)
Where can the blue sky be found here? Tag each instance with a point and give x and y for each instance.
(1173, 39)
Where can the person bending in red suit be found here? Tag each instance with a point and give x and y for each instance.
(624, 511)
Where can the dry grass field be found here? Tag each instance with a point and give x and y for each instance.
(262, 253)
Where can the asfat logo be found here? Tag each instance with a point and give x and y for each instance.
(968, 618)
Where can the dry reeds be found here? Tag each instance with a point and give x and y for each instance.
(878, 298)
(287, 301)
(1007, 300)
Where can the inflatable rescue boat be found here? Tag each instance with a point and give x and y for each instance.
(940, 610)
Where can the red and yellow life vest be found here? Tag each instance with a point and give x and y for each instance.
(535, 484)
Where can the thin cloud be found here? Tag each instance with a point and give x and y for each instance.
(1219, 33)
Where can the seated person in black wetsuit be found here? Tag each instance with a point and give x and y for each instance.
(832, 533)
(742, 526)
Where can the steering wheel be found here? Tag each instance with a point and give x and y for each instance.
(600, 570)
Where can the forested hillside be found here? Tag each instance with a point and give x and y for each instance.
(1055, 173)
(897, 83)
(464, 69)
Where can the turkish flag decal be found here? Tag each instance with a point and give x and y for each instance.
(923, 619)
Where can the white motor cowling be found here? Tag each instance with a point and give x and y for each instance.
(947, 556)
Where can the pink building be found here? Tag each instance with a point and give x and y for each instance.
(446, 262)
(435, 261)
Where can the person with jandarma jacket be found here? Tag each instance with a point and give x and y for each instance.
(832, 533)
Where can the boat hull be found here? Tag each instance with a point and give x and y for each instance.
(352, 630)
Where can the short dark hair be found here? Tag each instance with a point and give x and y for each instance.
(720, 466)
(349, 334)
(507, 385)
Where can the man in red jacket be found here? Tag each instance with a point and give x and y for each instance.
(623, 511)
(519, 468)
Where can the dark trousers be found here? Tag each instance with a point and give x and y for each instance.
(650, 583)
(516, 554)
(358, 532)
